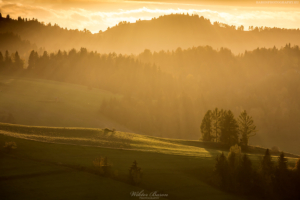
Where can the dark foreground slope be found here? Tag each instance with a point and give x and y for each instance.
(40, 167)
(57, 171)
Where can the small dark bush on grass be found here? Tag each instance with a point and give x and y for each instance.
(103, 166)
(9, 146)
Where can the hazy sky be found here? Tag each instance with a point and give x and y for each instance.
(96, 15)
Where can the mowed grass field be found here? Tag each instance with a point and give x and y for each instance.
(39, 167)
(48, 103)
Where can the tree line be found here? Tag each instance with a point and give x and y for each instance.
(11, 63)
(268, 180)
(221, 126)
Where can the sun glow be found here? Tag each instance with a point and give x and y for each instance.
(99, 15)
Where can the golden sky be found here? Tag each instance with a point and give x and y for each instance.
(96, 15)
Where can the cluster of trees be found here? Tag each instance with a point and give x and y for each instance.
(165, 32)
(11, 63)
(221, 126)
(104, 167)
(270, 180)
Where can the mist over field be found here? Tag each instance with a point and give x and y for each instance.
(149, 98)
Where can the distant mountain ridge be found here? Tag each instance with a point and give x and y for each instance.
(163, 33)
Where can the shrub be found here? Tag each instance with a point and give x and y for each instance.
(234, 156)
(135, 174)
(9, 146)
(103, 166)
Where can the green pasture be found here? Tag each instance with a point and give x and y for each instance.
(40, 166)
(181, 177)
(48, 103)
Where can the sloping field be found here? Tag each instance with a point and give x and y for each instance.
(119, 140)
(48, 103)
(40, 165)
(39, 170)
(106, 138)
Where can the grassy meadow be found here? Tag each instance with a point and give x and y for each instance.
(48, 103)
(40, 166)
(48, 163)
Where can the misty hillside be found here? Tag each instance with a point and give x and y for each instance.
(166, 94)
(12, 42)
(49, 103)
(164, 33)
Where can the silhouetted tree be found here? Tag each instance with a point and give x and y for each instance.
(206, 127)
(246, 127)
(216, 116)
(222, 169)
(245, 175)
(229, 129)
(135, 174)
(234, 157)
(7, 60)
(267, 166)
(32, 61)
(282, 163)
(282, 178)
(18, 63)
(267, 173)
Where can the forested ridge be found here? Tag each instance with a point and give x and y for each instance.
(167, 93)
(163, 33)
